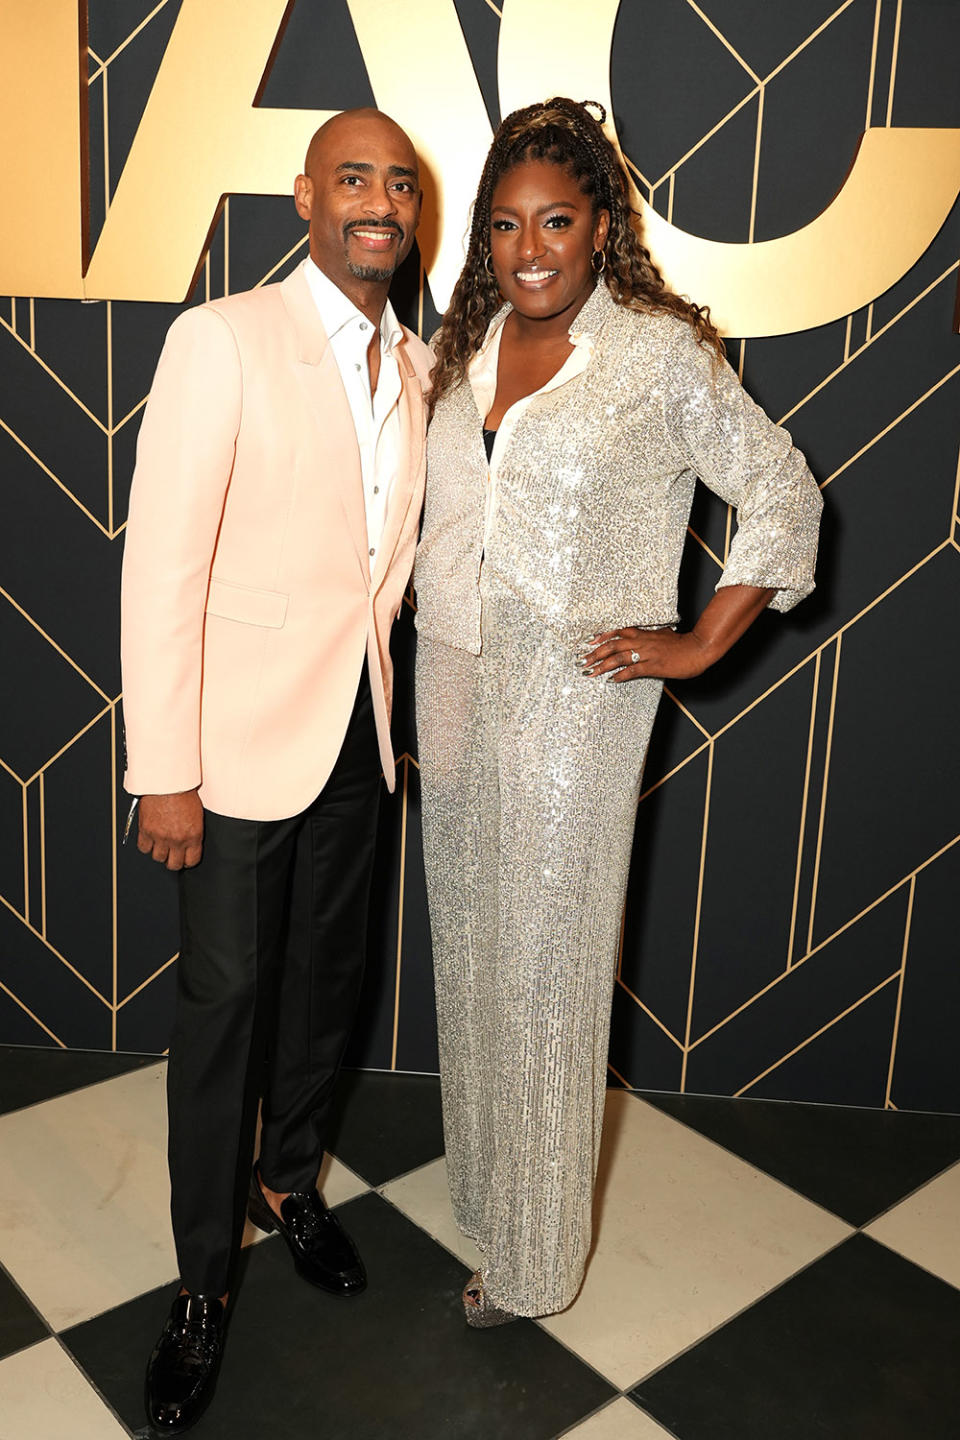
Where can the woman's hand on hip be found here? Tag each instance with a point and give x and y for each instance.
(633, 654)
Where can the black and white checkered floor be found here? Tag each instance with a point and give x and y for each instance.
(761, 1272)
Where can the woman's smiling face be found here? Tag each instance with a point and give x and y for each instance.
(543, 232)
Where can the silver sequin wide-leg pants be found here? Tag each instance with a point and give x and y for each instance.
(530, 778)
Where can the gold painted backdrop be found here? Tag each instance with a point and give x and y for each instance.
(788, 931)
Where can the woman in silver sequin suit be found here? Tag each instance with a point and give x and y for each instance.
(546, 586)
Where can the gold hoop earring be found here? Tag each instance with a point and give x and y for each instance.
(598, 269)
(488, 267)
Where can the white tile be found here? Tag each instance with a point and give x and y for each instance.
(424, 1197)
(686, 1235)
(85, 1198)
(43, 1396)
(619, 1421)
(924, 1226)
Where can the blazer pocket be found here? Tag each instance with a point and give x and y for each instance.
(246, 605)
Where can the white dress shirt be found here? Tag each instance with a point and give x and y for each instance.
(376, 418)
(482, 374)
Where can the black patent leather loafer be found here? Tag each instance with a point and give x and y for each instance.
(182, 1371)
(322, 1251)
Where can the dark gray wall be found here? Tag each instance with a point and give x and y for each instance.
(789, 931)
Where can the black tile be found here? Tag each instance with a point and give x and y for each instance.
(862, 1344)
(30, 1074)
(856, 1163)
(20, 1325)
(386, 1124)
(395, 1363)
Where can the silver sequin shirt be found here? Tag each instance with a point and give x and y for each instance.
(595, 488)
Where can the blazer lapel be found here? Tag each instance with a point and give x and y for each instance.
(319, 378)
(412, 429)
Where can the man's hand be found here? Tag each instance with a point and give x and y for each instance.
(171, 829)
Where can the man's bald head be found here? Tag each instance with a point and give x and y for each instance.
(360, 192)
(350, 124)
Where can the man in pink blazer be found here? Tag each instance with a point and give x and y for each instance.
(272, 526)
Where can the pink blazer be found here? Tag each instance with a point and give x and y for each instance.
(247, 600)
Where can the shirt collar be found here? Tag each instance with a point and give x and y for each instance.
(583, 328)
(337, 310)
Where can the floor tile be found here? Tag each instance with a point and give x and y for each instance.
(395, 1363)
(386, 1124)
(686, 1234)
(28, 1074)
(20, 1325)
(620, 1421)
(854, 1162)
(925, 1229)
(861, 1344)
(43, 1396)
(425, 1197)
(84, 1197)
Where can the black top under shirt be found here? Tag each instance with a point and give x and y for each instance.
(489, 437)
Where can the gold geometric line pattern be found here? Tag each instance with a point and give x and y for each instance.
(696, 920)
(114, 897)
(816, 1035)
(688, 713)
(849, 357)
(903, 970)
(724, 41)
(873, 71)
(11, 772)
(893, 424)
(111, 429)
(893, 62)
(54, 952)
(41, 783)
(11, 329)
(149, 980)
(34, 1017)
(647, 1011)
(803, 809)
(823, 793)
(822, 944)
(69, 744)
(56, 480)
(756, 174)
(755, 90)
(121, 47)
(705, 547)
(403, 877)
(59, 648)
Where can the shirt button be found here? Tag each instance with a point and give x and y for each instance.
(364, 325)
(376, 489)
(358, 366)
(372, 550)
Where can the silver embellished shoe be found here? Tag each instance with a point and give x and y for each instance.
(478, 1309)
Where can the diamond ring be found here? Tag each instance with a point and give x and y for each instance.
(634, 657)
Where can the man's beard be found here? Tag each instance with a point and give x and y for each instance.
(372, 273)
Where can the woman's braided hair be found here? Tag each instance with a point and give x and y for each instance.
(564, 133)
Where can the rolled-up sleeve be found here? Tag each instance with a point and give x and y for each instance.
(742, 456)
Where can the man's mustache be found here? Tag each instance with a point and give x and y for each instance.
(373, 225)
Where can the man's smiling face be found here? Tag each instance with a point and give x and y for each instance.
(361, 195)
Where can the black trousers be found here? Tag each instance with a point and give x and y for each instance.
(273, 935)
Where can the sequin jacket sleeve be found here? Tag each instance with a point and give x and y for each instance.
(746, 459)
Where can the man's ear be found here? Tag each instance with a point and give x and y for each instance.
(303, 196)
